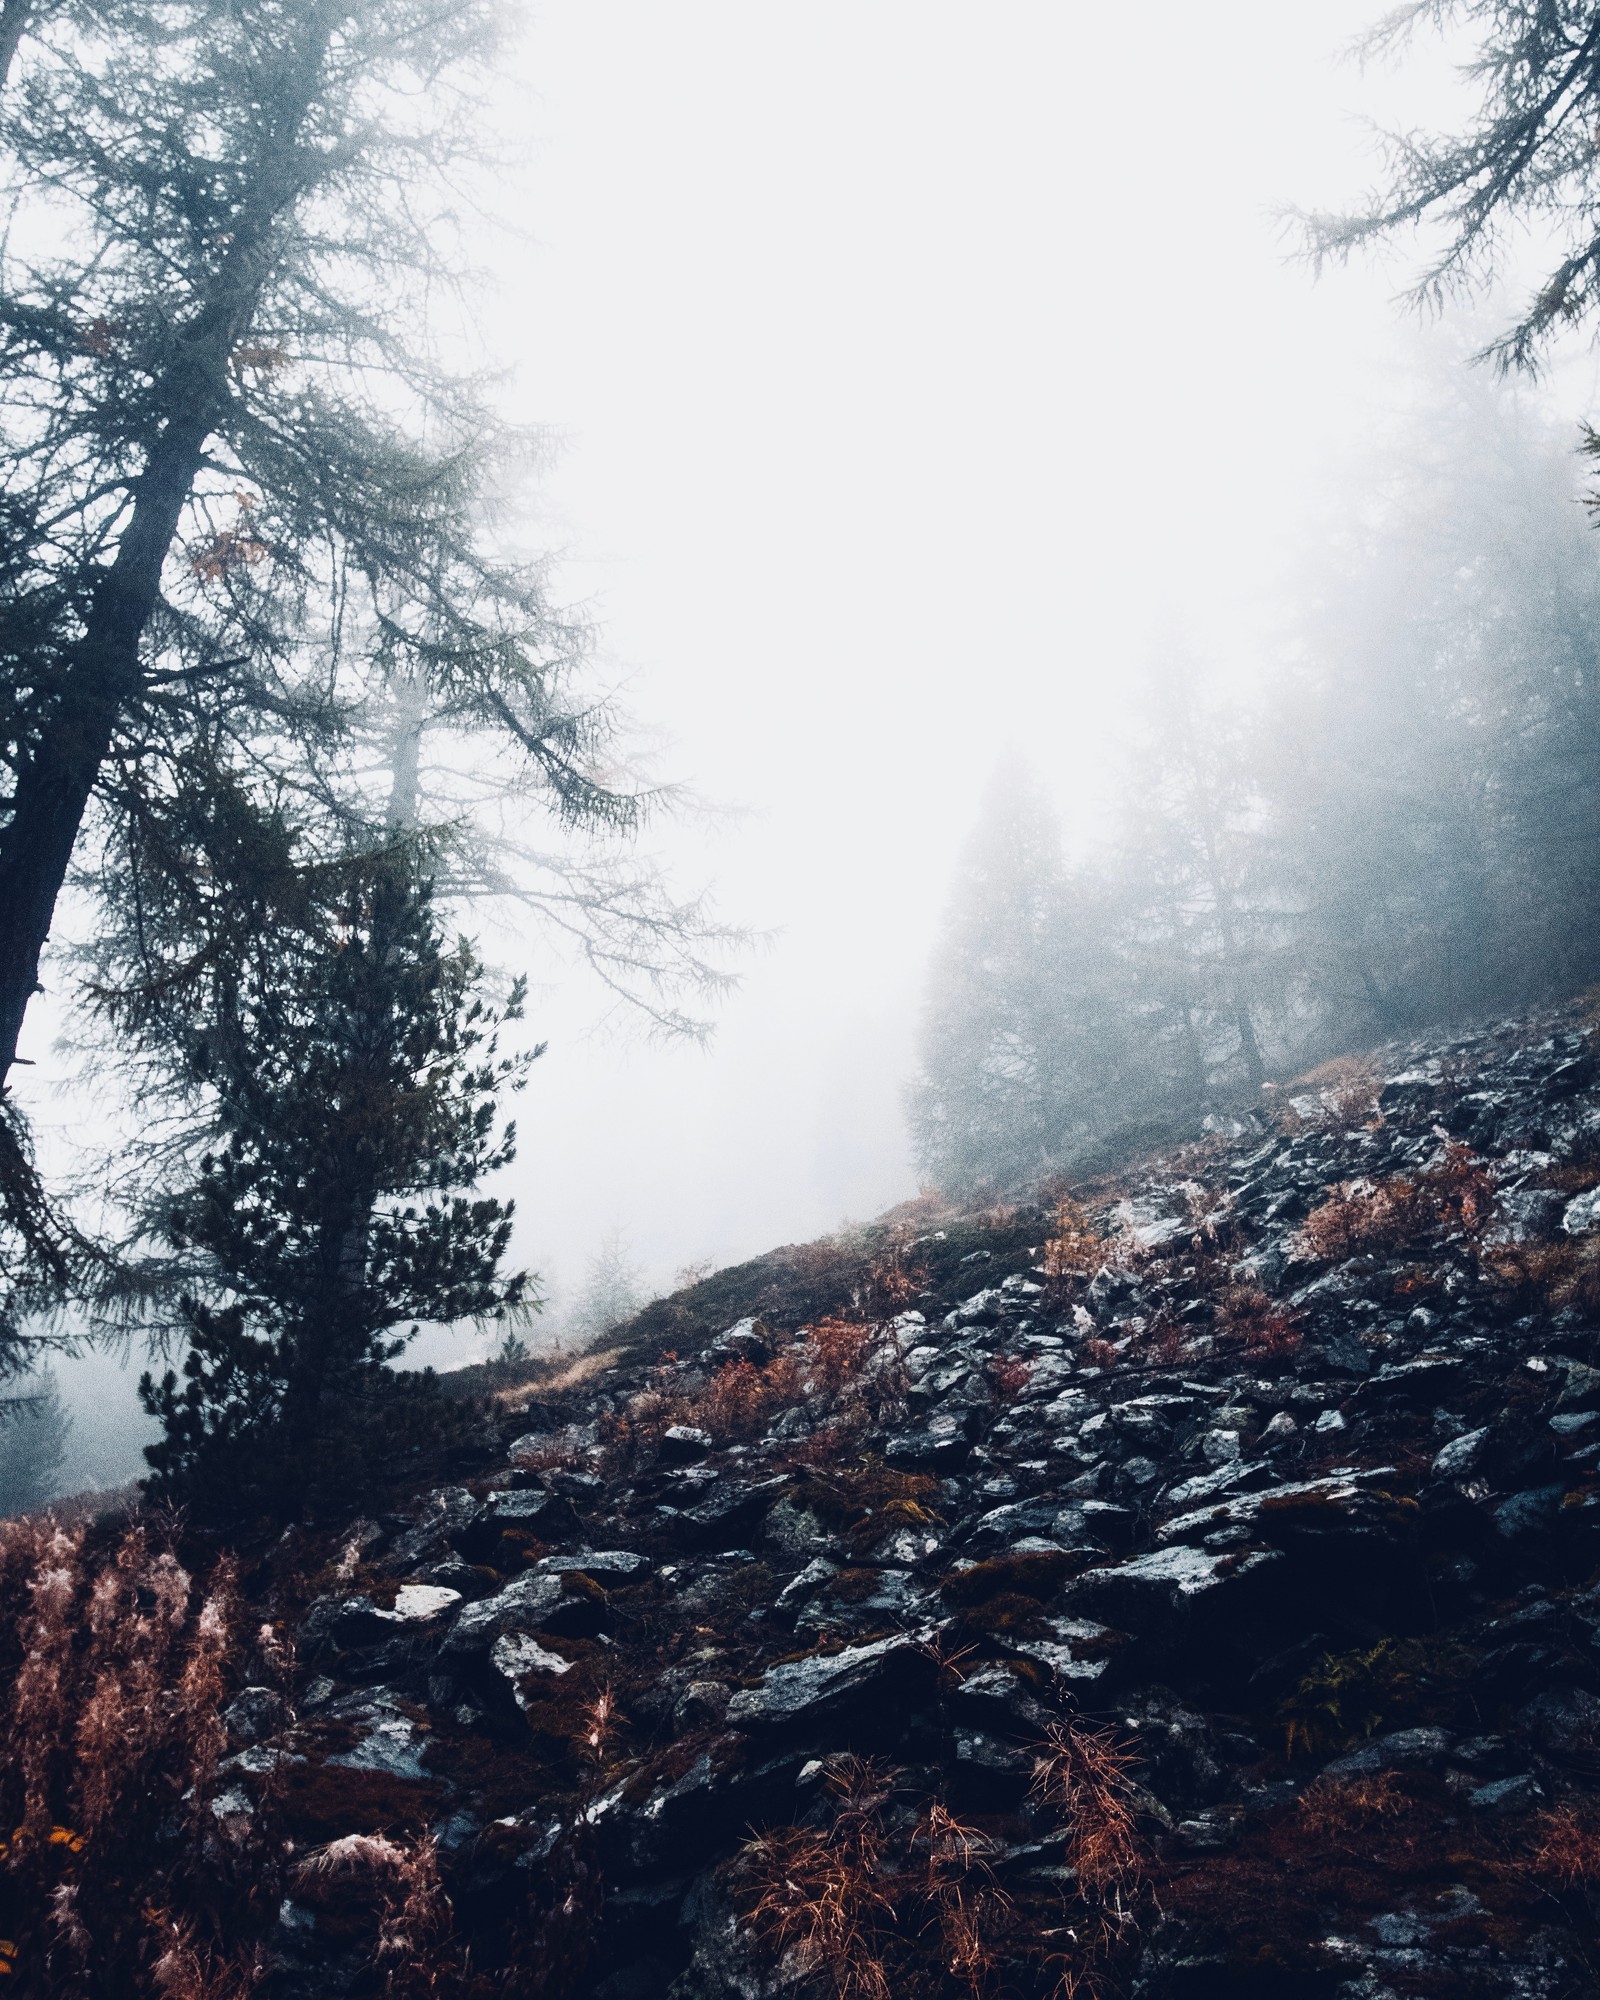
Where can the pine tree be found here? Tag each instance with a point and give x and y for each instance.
(1022, 1053)
(612, 1290)
(34, 1429)
(352, 1061)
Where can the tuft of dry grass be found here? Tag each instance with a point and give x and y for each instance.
(1340, 1810)
(1569, 1845)
(817, 1898)
(1455, 1194)
(1257, 1324)
(1081, 1781)
(115, 1669)
(1075, 1249)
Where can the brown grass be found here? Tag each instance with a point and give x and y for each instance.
(1257, 1325)
(113, 1668)
(1341, 1810)
(1075, 1250)
(1569, 1844)
(817, 1898)
(1081, 1781)
(1455, 1194)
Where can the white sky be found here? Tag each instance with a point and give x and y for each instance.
(914, 363)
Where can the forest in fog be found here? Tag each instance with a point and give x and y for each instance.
(1400, 829)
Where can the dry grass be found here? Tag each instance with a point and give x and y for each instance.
(1569, 1844)
(1347, 1089)
(1338, 1811)
(1257, 1324)
(1081, 1781)
(564, 1375)
(1456, 1194)
(818, 1898)
(115, 1669)
(415, 1946)
(1075, 1249)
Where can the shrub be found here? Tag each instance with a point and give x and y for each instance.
(1456, 1193)
(1075, 1250)
(1081, 1781)
(127, 1878)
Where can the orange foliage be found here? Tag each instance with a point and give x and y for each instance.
(1081, 1780)
(117, 1667)
(1455, 1194)
(1075, 1250)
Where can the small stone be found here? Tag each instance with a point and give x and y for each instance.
(681, 1444)
(1458, 1455)
(1330, 1420)
(1220, 1447)
(1582, 1213)
(1507, 1795)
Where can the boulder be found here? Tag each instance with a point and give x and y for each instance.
(822, 1688)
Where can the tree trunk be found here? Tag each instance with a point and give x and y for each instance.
(54, 785)
(105, 672)
(14, 18)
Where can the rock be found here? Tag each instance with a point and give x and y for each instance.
(607, 1567)
(1139, 1595)
(702, 1705)
(806, 1584)
(420, 1603)
(795, 1529)
(1582, 1213)
(389, 1740)
(549, 1517)
(806, 1693)
(1220, 1447)
(1330, 1420)
(527, 1605)
(1527, 1215)
(943, 1446)
(1459, 1455)
(1507, 1795)
(518, 1657)
(1581, 1389)
(747, 1341)
(1400, 1750)
(682, 1444)
(1528, 1513)
(254, 1714)
(731, 1513)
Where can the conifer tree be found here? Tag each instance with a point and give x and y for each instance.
(350, 1058)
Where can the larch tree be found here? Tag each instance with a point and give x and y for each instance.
(249, 500)
(1526, 157)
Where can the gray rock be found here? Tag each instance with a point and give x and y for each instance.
(1507, 1795)
(1400, 1750)
(1527, 1513)
(1582, 1213)
(523, 1606)
(1141, 1593)
(607, 1567)
(389, 1740)
(799, 1693)
(795, 1529)
(1459, 1455)
(682, 1444)
(254, 1714)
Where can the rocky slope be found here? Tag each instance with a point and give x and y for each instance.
(1187, 1588)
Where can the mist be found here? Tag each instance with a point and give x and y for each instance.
(905, 394)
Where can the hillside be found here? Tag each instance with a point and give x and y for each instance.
(1186, 1587)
